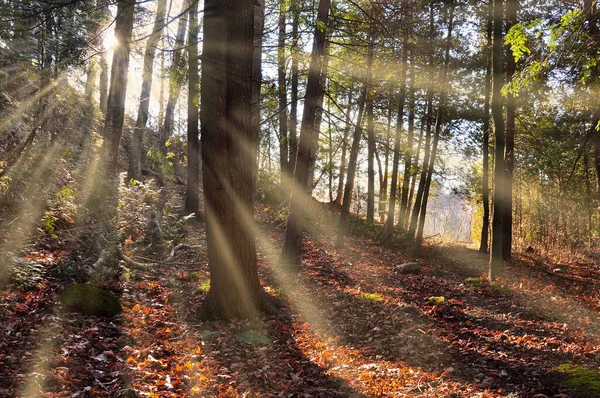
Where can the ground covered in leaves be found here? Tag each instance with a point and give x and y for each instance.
(353, 326)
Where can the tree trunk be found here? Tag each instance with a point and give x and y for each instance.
(192, 196)
(282, 94)
(370, 152)
(437, 131)
(292, 246)
(318, 119)
(345, 211)
(135, 159)
(499, 167)
(115, 109)
(408, 152)
(509, 155)
(485, 192)
(229, 145)
(413, 175)
(389, 226)
(293, 134)
(175, 81)
(383, 180)
(340, 192)
(103, 86)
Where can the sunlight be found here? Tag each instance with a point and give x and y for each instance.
(110, 41)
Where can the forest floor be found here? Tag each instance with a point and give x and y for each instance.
(353, 327)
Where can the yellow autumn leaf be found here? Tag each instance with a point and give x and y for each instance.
(189, 365)
(198, 350)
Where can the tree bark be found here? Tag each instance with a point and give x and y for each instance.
(229, 145)
(437, 132)
(509, 149)
(103, 85)
(282, 95)
(345, 210)
(408, 152)
(292, 246)
(293, 134)
(192, 195)
(340, 192)
(383, 175)
(499, 200)
(370, 151)
(485, 192)
(389, 226)
(115, 110)
(135, 159)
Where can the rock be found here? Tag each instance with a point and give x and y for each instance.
(409, 268)
(90, 300)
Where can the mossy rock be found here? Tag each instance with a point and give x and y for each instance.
(436, 272)
(90, 300)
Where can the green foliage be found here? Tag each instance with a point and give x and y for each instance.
(473, 283)
(207, 335)
(516, 38)
(204, 286)
(371, 296)
(436, 299)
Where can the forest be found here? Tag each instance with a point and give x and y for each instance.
(300, 198)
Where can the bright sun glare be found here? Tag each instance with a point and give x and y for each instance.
(110, 41)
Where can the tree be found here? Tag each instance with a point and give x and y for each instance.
(135, 158)
(229, 145)
(282, 91)
(496, 257)
(193, 144)
(292, 245)
(485, 192)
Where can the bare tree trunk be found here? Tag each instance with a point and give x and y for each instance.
(500, 168)
(135, 160)
(282, 93)
(389, 226)
(413, 175)
(509, 150)
(383, 175)
(485, 193)
(293, 136)
(370, 151)
(408, 152)
(437, 131)
(345, 211)
(292, 246)
(115, 110)
(103, 87)
(229, 145)
(318, 119)
(192, 195)
(340, 192)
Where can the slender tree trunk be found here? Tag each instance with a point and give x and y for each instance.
(259, 24)
(135, 160)
(509, 150)
(345, 211)
(293, 136)
(175, 81)
(370, 153)
(282, 92)
(389, 226)
(161, 94)
(292, 246)
(192, 195)
(437, 131)
(318, 119)
(499, 167)
(340, 192)
(413, 175)
(229, 145)
(485, 193)
(383, 180)
(408, 152)
(103, 86)
(115, 110)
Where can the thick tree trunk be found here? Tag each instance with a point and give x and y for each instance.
(115, 110)
(509, 150)
(192, 195)
(229, 145)
(499, 202)
(340, 192)
(389, 226)
(408, 152)
(293, 133)
(437, 132)
(345, 210)
(292, 245)
(282, 95)
(318, 119)
(485, 192)
(135, 159)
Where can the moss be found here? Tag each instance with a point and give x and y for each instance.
(371, 296)
(473, 282)
(253, 337)
(204, 286)
(436, 272)
(436, 299)
(90, 300)
(579, 377)
(195, 276)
